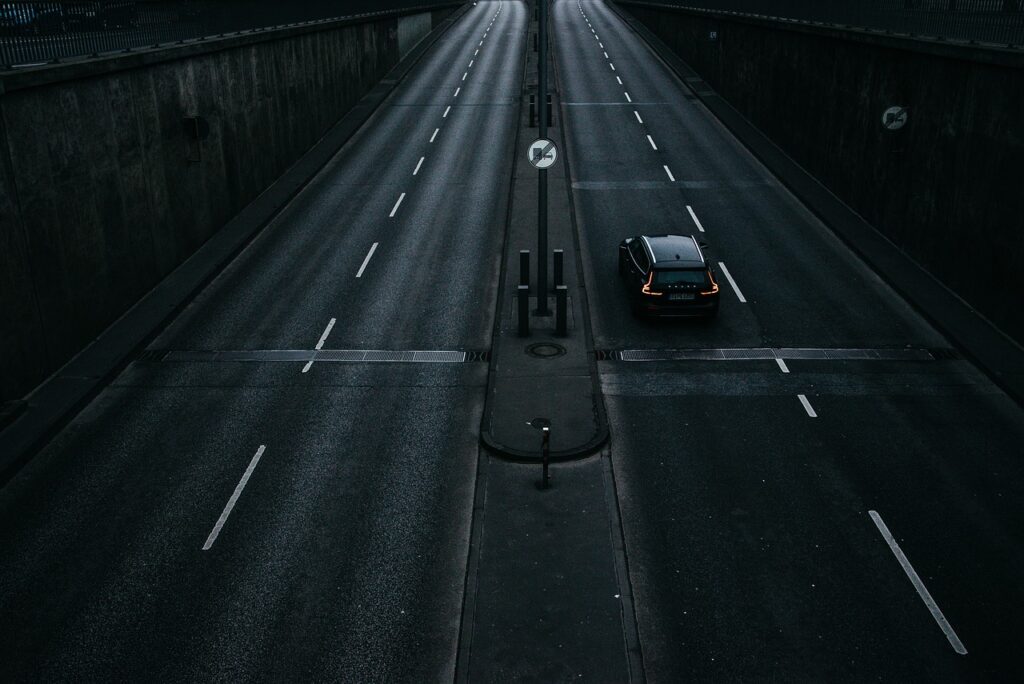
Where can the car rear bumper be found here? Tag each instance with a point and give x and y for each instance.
(701, 307)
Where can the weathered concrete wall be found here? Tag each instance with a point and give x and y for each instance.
(102, 193)
(947, 187)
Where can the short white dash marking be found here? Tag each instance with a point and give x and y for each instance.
(735, 287)
(418, 165)
(606, 55)
(696, 220)
(670, 176)
(651, 140)
(628, 98)
(619, 80)
(457, 91)
(600, 45)
(395, 208)
(922, 590)
(476, 52)
(471, 64)
(612, 66)
(782, 365)
(807, 405)
(327, 331)
(464, 75)
(234, 497)
(637, 114)
(369, 255)
(447, 109)
(480, 43)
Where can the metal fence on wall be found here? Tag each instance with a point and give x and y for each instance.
(33, 33)
(996, 22)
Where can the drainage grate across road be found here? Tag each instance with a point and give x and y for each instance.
(320, 356)
(770, 353)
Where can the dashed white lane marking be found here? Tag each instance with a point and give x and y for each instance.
(606, 55)
(464, 75)
(234, 497)
(619, 80)
(330, 323)
(628, 98)
(782, 365)
(447, 109)
(600, 45)
(651, 140)
(369, 255)
(922, 590)
(696, 220)
(612, 66)
(807, 405)
(320, 343)
(395, 208)
(434, 134)
(418, 165)
(638, 116)
(480, 43)
(457, 90)
(471, 63)
(735, 287)
(670, 176)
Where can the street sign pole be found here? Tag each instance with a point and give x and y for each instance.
(542, 178)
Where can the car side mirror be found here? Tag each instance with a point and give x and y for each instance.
(704, 245)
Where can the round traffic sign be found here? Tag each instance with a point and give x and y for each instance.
(542, 153)
(894, 118)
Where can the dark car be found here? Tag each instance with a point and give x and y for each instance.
(668, 275)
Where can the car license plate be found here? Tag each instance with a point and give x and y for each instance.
(680, 296)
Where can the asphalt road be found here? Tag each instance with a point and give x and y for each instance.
(753, 555)
(344, 490)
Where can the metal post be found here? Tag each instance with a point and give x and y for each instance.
(524, 267)
(545, 453)
(523, 295)
(533, 111)
(558, 269)
(561, 315)
(542, 178)
(550, 118)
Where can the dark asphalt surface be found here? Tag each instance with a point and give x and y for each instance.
(752, 554)
(344, 556)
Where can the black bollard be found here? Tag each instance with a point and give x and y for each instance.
(524, 267)
(559, 272)
(523, 293)
(533, 112)
(550, 120)
(561, 315)
(545, 453)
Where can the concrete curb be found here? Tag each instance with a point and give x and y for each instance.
(601, 437)
(55, 402)
(989, 348)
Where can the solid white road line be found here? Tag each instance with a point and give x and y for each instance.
(670, 176)
(807, 405)
(234, 497)
(732, 282)
(457, 91)
(638, 116)
(922, 591)
(418, 165)
(782, 365)
(696, 221)
(434, 135)
(445, 115)
(395, 208)
(651, 140)
(369, 255)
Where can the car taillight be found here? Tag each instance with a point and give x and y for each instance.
(714, 285)
(647, 287)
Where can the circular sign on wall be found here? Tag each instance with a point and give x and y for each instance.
(542, 153)
(894, 118)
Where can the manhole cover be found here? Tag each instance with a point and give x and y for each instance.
(545, 350)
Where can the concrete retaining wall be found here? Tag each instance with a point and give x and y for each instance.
(947, 187)
(103, 192)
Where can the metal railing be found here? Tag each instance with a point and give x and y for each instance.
(33, 33)
(995, 22)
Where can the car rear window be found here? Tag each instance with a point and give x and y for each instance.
(688, 277)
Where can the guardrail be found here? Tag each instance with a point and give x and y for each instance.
(995, 22)
(35, 33)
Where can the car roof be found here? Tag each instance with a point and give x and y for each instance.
(674, 251)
